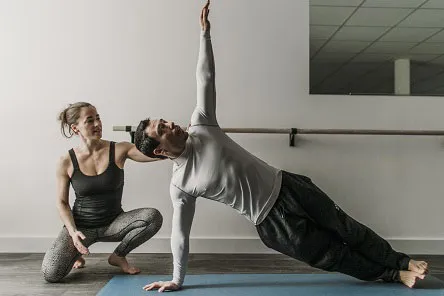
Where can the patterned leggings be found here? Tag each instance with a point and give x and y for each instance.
(131, 228)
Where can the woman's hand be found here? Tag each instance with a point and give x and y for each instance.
(77, 238)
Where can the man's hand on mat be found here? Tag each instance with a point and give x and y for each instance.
(77, 238)
(162, 286)
(204, 23)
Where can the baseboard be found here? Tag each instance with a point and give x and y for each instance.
(206, 245)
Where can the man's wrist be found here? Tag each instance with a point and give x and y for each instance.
(206, 34)
(206, 30)
(177, 282)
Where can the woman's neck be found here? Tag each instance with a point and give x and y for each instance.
(91, 146)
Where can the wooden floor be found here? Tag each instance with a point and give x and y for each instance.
(20, 273)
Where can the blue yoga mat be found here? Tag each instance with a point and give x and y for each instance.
(271, 285)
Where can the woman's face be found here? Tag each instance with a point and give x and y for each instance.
(89, 125)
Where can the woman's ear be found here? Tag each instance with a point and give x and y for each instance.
(74, 129)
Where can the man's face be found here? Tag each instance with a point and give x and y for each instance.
(170, 136)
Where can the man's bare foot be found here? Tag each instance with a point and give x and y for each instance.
(80, 263)
(420, 267)
(409, 278)
(123, 264)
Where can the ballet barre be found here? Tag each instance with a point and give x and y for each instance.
(292, 132)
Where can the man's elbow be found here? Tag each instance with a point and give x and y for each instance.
(204, 77)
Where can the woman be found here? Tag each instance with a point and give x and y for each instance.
(95, 170)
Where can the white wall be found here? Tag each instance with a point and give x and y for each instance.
(134, 59)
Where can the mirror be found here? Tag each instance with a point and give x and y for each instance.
(377, 47)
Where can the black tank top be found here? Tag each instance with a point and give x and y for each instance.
(98, 198)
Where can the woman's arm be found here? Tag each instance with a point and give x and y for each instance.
(133, 153)
(63, 204)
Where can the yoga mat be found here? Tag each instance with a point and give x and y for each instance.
(331, 284)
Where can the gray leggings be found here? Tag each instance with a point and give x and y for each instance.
(131, 228)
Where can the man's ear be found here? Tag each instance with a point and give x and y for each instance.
(160, 151)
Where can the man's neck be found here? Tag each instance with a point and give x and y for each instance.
(177, 152)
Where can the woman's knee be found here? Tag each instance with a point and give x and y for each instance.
(52, 272)
(156, 218)
(58, 261)
(51, 276)
(152, 217)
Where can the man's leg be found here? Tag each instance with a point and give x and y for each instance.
(60, 258)
(132, 229)
(326, 214)
(301, 239)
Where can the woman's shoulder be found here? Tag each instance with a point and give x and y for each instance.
(64, 162)
(117, 144)
(122, 149)
(64, 158)
(124, 145)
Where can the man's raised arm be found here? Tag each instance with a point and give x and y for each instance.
(205, 112)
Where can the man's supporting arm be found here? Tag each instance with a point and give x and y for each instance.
(184, 206)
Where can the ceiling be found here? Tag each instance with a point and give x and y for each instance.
(354, 43)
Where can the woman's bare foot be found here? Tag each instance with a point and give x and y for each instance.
(80, 263)
(409, 278)
(123, 264)
(420, 267)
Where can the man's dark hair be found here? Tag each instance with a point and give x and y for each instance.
(143, 142)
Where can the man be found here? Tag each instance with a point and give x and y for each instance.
(291, 214)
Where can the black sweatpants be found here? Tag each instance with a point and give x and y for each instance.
(307, 225)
